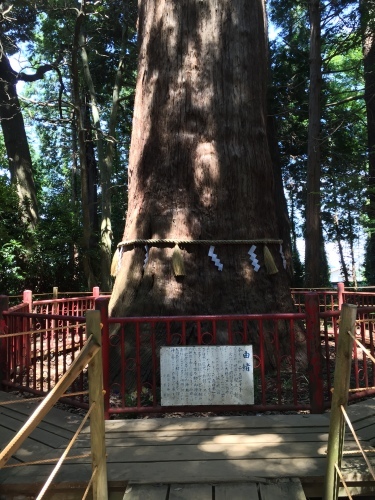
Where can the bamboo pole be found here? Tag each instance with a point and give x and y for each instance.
(63, 457)
(339, 398)
(85, 355)
(97, 425)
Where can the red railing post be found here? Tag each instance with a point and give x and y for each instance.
(340, 294)
(24, 350)
(28, 299)
(314, 367)
(4, 306)
(95, 292)
(101, 304)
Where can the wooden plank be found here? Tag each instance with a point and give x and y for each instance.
(84, 356)
(38, 474)
(282, 490)
(287, 432)
(190, 492)
(227, 439)
(38, 434)
(214, 471)
(57, 418)
(263, 421)
(64, 426)
(236, 491)
(361, 411)
(30, 450)
(146, 492)
(367, 433)
(169, 453)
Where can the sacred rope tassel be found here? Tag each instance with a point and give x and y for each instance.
(269, 262)
(115, 261)
(178, 262)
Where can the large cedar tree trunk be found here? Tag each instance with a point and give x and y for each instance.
(200, 166)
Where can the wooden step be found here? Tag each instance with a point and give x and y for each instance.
(283, 489)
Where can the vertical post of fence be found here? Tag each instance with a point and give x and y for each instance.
(55, 295)
(101, 304)
(27, 297)
(339, 398)
(23, 354)
(314, 366)
(97, 426)
(4, 306)
(95, 292)
(340, 294)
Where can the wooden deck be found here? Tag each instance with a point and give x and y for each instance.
(262, 457)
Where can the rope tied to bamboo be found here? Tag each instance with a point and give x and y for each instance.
(177, 259)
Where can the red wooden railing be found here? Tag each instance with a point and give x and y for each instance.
(34, 362)
(131, 356)
(53, 333)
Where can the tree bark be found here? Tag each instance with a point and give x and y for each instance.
(313, 235)
(16, 143)
(87, 205)
(368, 33)
(200, 166)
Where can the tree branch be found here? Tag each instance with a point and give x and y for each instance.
(348, 99)
(41, 71)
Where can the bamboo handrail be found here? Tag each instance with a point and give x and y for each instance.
(32, 400)
(97, 427)
(90, 483)
(339, 399)
(46, 461)
(85, 355)
(357, 441)
(89, 355)
(343, 482)
(63, 456)
(359, 344)
(44, 330)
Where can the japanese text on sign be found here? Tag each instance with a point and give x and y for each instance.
(207, 375)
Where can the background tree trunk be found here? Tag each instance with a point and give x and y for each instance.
(16, 143)
(368, 24)
(87, 164)
(313, 237)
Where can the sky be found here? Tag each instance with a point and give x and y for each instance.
(333, 257)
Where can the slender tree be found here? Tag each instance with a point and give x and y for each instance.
(368, 31)
(105, 139)
(15, 24)
(313, 233)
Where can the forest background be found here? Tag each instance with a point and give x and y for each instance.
(66, 135)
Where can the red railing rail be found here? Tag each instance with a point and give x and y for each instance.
(332, 300)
